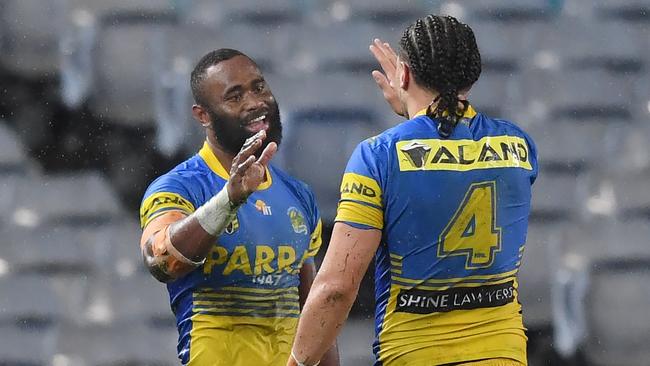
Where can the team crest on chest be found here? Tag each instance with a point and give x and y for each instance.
(232, 227)
(297, 221)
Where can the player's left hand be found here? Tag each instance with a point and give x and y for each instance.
(387, 81)
(247, 171)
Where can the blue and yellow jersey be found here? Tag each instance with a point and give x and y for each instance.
(241, 307)
(453, 214)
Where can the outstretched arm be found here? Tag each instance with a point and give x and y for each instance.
(333, 292)
(174, 243)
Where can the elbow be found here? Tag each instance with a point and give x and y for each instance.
(338, 292)
(156, 265)
(163, 266)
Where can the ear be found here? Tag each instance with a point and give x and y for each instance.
(405, 76)
(464, 93)
(201, 115)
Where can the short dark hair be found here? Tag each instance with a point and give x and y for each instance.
(199, 73)
(444, 57)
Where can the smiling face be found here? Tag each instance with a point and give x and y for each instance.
(239, 103)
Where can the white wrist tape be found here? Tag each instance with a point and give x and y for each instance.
(302, 363)
(215, 215)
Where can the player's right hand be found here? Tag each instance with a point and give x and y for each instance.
(247, 172)
(387, 81)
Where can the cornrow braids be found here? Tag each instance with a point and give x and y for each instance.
(444, 58)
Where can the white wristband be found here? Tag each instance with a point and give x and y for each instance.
(302, 363)
(215, 215)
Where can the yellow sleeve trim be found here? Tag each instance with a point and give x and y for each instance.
(358, 213)
(316, 240)
(360, 188)
(160, 202)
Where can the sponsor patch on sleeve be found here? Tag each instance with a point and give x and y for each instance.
(359, 188)
(160, 202)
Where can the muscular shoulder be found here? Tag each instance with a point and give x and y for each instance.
(180, 189)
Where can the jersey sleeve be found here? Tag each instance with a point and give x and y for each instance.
(360, 204)
(167, 193)
(532, 152)
(316, 227)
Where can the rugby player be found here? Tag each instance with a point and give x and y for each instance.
(232, 236)
(442, 201)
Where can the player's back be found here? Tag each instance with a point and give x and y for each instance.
(455, 214)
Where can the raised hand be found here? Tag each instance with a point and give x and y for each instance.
(247, 172)
(387, 81)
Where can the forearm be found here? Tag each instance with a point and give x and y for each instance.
(307, 274)
(175, 244)
(321, 320)
(194, 236)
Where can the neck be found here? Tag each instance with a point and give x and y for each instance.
(419, 100)
(225, 158)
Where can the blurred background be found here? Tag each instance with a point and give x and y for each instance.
(95, 103)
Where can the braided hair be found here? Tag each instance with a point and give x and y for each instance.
(443, 56)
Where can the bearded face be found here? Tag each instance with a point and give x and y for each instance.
(231, 131)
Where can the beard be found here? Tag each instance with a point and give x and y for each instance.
(231, 133)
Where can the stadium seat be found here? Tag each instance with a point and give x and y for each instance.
(47, 249)
(112, 345)
(492, 94)
(21, 347)
(355, 342)
(555, 197)
(579, 94)
(79, 198)
(504, 10)
(503, 47)
(617, 323)
(631, 192)
(116, 248)
(601, 311)
(79, 38)
(30, 30)
(338, 115)
(575, 145)
(100, 8)
(575, 44)
(382, 12)
(251, 12)
(29, 302)
(321, 49)
(634, 149)
(132, 300)
(628, 10)
(139, 299)
(13, 157)
(605, 238)
(126, 45)
(536, 273)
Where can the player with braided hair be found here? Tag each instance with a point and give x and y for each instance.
(442, 202)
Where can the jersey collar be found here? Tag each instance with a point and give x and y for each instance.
(215, 165)
(469, 113)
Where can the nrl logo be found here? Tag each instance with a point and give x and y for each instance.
(417, 153)
(232, 227)
(297, 221)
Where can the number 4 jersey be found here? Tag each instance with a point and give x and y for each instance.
(241, 307)
(454, 214)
